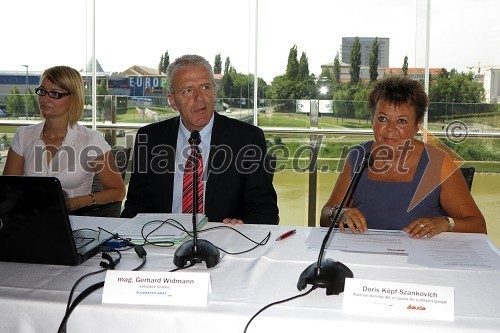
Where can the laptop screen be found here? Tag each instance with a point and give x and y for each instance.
(34, 224)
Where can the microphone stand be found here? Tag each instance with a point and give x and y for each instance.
(328, 273)
(196, 250)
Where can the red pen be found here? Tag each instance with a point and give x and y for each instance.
(286, 235)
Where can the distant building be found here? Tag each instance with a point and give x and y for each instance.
(491, 85)
(364, 72)
(345, 75)
(145, 81)
(17, 79)
(366, 48)
(136, 81)
(413, 73)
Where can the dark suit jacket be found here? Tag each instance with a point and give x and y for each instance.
(238, 184)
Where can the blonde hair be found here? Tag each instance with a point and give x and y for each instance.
(68, 79)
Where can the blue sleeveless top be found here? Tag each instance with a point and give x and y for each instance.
(386, 205)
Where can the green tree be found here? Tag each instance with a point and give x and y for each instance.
(281, 90)
(373, 61)
(355, 61)
(164, 62)
(33, 108)
(303, 72)
(360, 101)
(102, 89)
(405, 66)
(340, 100)
(292, 67)
(239, 88)
(217, 64)
(16, 103)
(456, 87)
(160, 65)
(336, 69)
(227, 85)
(227, 65)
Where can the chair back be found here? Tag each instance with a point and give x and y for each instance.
(110, 209)
(468, 174)
(122, 157)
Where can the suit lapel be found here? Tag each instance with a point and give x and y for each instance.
(218, 138)
(166, 183)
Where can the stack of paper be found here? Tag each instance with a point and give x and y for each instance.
(372, 241)
(159, 228)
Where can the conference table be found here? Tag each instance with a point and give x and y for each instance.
(33, 297)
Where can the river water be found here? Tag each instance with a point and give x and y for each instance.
(292, 188)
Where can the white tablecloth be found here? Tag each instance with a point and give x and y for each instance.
(33, 297)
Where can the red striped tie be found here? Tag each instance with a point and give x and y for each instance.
(187, 185)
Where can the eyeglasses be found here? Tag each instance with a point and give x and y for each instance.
(52, 94)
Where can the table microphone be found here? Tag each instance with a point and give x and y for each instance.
(328, 273)
(196, 250)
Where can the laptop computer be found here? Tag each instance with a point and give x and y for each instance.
(35, 227)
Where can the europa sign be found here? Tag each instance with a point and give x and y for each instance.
(148, 82)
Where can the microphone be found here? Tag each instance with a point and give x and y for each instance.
(328, 273)
(196, 250)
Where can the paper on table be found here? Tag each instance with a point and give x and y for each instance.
(372, 241)
(157, 231)
(443, 251)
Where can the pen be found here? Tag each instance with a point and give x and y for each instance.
(286, 235)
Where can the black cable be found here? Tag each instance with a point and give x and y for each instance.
(172, 222)
(112, 264)
(257, 244)
(191, 264)
(78, 282)
(78, 299)
(116, 236)
(275, 303)
(139, 250)
(176, 224)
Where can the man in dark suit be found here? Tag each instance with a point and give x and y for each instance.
(237, 188)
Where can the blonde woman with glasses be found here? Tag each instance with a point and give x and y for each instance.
(60, 147)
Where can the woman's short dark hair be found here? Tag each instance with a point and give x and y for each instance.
(399, 90)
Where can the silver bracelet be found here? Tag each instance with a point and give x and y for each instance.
(93, 199)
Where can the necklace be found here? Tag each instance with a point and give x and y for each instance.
(45, 135)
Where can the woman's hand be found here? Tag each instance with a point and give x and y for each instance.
(353, 219)
(78, 202)
(427, 226)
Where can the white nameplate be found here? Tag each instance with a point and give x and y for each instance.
(403, 300)
(158, 288)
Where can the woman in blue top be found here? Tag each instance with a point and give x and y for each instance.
(409, 185)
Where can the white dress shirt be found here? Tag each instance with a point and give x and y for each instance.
(182, 152)
(71, 164)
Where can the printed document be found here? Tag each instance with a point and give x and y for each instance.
(455, 251)
(372, 241)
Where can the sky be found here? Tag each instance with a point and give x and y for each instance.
(464, 34)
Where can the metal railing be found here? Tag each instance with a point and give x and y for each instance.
(314, 136)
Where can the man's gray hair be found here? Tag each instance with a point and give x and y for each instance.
(187, 60)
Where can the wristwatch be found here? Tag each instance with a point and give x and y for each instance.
(332, 212)
(451, 223)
